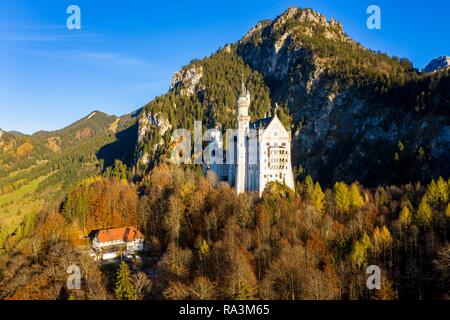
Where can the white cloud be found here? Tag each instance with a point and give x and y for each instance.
(89, 56)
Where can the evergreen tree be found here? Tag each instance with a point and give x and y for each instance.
(124, 286)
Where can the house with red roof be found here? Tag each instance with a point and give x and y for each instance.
(112, 243)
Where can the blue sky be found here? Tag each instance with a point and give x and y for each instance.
(126, 52)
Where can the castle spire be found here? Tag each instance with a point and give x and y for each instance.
(243, 88)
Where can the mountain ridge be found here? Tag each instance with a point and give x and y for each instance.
(342, 100)
(438, 64)
(339, 98)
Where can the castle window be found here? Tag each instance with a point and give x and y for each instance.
(213, 153)
(284, 144)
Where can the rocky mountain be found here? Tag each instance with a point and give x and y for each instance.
(356, 114)
(438, 64)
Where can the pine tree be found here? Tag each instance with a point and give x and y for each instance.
(124, 286)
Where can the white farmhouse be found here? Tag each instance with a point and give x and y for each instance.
(111, 243)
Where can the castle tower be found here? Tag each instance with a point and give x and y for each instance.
(243, 123)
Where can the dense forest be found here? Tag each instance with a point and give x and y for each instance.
(208, 243)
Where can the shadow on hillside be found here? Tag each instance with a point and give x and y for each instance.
(122, 149)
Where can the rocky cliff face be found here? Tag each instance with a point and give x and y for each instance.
(356, 114)
(338, 95)
(187, 79)
(438, 64)
(151, 124)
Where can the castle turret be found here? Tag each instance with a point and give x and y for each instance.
(243, 122)
(243, 100)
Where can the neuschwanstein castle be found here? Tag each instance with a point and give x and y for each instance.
(261, 152)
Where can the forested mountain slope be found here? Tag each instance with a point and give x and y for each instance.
(356, 114)
(36, 170)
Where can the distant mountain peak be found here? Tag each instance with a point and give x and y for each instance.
(438, 64)
(295, 25)
(93, 113)
(96, 112)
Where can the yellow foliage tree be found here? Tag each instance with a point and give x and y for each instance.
(382, 238)
(424, 212)
(437, 192)
(356, 199)
(360, 249)
(342, 197)
(405, 217)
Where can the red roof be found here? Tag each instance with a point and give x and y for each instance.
(125, 234)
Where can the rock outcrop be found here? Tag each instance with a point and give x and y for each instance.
(187, 79)
(438, 64)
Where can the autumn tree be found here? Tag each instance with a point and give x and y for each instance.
(424, 212)
(356, 199)
(142, 285)
(202, 289)
(314, 194)
(360, 250)
(342, 197)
